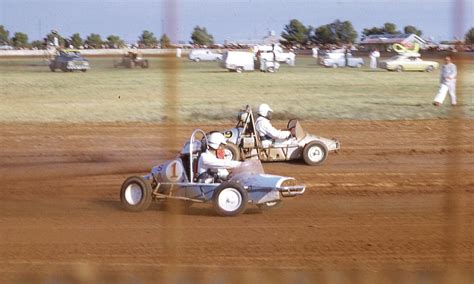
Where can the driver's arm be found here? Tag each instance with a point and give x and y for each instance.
(214, 163)
(266, 128)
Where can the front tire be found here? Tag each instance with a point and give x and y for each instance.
(399, 68)
(429, 69)
(239, 69)
(145, 64)
(51, 67)
(315, 153)
(197, 60)
(334, 65)
(230, 199)
(135, 194)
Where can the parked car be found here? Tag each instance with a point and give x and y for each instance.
(6, 47)
(204, 55)
(408, 62)
(69, 60)
(270, 53)
(238, 61)
(340, 61)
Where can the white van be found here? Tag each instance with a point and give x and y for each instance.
(203, 55)
(238, 61)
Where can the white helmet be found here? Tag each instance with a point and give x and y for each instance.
(215, 140)
(263, 109)
(243, 117)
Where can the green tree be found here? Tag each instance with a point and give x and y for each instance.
(38, 44)
(148, 39)
(470, 36)
(337, 32)
(20, 39)
(164, 41)
(295, 33)
(94, 41)
(388, 28)
(4, 35)
(114, 41)
(323, 35)
(200, 36)
(373, 31)
(76, 40)
(412, 30)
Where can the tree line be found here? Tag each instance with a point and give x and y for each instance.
(294, 33)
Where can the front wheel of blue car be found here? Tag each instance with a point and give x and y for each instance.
(230, 199)
(135, 194)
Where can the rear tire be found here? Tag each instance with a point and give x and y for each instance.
(135, 194)
(429, 69)
(315, 153)
(232, 152)
(197, 59)
(51, 67)
(271, 69)
(334, 65)
(239, 69)
(230, 199)
(399, 68)
(145, 64)
(359, 65)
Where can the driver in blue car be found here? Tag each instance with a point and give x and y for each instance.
(212, 160)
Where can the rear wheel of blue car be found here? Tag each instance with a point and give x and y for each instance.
(230, 199)
(315, 153)
(135, 194)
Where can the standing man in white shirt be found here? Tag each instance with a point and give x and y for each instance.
(265, 128)
(448, 82)
(374, 54)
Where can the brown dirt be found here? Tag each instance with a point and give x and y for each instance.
(387, 208)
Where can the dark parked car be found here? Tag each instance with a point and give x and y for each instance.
(69, 60)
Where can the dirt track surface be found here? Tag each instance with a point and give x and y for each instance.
(386, 202)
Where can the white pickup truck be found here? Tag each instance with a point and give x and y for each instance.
(268, 52)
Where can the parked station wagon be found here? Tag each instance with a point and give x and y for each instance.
(408, 62)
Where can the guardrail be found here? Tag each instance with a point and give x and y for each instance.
(93, 52)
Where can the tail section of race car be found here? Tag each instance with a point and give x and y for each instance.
(263, 188)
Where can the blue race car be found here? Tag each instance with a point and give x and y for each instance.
(178, 180)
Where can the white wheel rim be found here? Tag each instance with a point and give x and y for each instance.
(228, 155)
(229, 199)
(133, 194)
(315, 153)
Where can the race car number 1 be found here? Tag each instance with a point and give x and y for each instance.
(174, 171)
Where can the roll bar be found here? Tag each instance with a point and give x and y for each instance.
(191, 141)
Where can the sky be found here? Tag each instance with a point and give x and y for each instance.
(231, 20)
